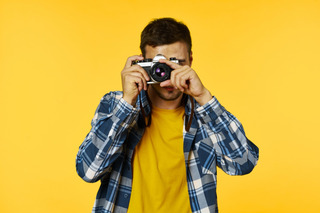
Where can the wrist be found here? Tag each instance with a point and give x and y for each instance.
(204, 97)
(131, 101)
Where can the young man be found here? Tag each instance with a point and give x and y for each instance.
(155, 147)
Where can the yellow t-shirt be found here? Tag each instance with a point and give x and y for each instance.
(159, 183)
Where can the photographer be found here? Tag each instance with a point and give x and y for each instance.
(155, 146)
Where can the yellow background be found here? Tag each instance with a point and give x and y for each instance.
(58, 58)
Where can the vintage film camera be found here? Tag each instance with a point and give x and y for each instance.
(157, 71)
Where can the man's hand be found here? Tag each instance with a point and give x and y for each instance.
(134, 79)
(187, 81)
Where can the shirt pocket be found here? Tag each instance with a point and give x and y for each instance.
(207, 156)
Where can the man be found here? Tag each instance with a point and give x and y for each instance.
(155, 147)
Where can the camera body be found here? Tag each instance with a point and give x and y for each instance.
(158, 72)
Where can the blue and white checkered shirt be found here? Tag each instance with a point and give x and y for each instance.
(216, 138)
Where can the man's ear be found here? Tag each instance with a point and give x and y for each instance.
(190, 58)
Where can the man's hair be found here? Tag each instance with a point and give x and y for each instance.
(164, 31)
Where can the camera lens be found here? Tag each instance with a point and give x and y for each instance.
(160, 72)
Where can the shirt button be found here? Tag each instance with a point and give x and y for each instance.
(125, 195)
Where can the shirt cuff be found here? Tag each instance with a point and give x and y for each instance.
(210, 111)
(125, 112)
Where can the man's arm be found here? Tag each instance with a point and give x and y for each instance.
(111, 124)
(235, 153)
(104, 143)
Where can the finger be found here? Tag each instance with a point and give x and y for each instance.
(140, 75)
(131, 59)
(137, 81)
(178, 83)
(137, 68)
(180, 69)
(176, 78)
(140, 84)
(184, 79)
(171, 64)
(184, 76)
(173, 78)
(166, 83)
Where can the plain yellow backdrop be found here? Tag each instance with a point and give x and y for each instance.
(261, 59)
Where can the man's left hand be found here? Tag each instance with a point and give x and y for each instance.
(185, 79)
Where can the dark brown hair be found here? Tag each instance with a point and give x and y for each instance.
(164, 31)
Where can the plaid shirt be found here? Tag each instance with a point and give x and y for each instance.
(216, 138)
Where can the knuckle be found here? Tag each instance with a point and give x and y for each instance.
(132, 57)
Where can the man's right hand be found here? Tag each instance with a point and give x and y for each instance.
(134, 79)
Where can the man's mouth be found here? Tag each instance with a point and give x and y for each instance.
(169, 89)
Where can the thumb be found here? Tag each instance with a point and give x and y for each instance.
(166, 83)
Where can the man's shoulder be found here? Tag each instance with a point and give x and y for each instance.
(110, 100)
(112, 96)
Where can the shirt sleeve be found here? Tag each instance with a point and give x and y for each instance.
(235, 153)
(104, 143)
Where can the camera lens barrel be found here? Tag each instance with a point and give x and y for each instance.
(160, 72)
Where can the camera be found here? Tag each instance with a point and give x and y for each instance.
(157, 71)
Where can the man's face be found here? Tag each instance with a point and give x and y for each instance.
(178, 50)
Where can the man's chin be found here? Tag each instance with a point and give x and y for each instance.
(170, 94)
(166, 93)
